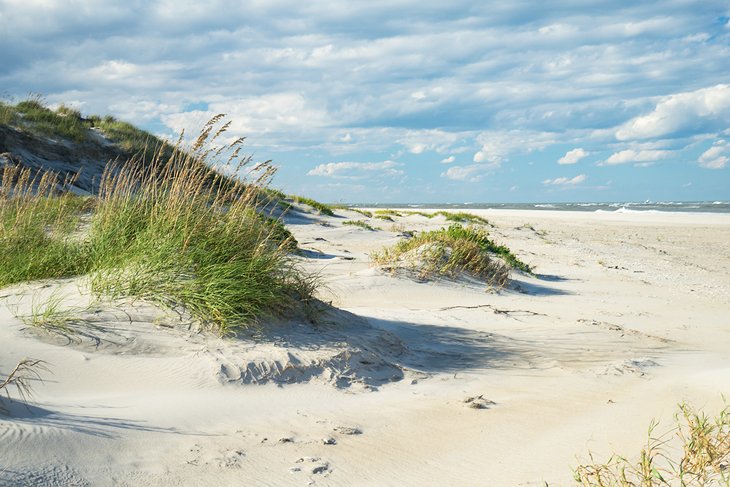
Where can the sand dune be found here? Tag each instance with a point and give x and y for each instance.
(398, 381)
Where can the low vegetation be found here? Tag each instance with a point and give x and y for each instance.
(450, 252)
(695, 453)
(171, 232)
(322, 208)
(66, 123)
(365, 213)
(359, 223)
(21, 379)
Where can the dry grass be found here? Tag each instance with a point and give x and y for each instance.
(21, 379)
(695, 453)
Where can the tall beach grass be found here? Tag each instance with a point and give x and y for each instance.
(171, 231)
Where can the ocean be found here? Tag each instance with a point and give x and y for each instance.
(619, 207)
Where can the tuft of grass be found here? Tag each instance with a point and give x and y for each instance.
(38, 227)
(449, 252)
(389, 213)
(359, 223)
(387, 218)
(365, 213)
(461, 217)
(172, 232)
(322, 208)
(67, 123)
(695, 453)
(64, 122)
(21, 378)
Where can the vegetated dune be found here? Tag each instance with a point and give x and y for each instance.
(383, 379)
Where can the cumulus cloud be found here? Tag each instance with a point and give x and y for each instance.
(573, 156)
(565, 181)
(448, 160)
(472, 173)
(706, 109)
(716, 157)
(635, 156)
(356, 170)
(498, 146)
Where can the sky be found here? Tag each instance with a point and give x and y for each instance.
(401, 101)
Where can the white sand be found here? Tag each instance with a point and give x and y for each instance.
(629, 315)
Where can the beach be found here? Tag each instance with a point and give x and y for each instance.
(394, 380)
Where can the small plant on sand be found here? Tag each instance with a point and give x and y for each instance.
(322, 208)
(386, 218)
(449, 252)
(21, 379)
(359, 223)
(461, 217)
(695, 453)
(365, 213)
(388, 213)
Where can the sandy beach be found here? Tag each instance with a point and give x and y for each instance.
(398, 381)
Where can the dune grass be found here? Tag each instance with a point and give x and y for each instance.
(365, 213)
(172, 232)
(21, 379)
(37, 226)
(361, 224)
(322, 208)
(450, 252)
(695, 453)
(67, 123)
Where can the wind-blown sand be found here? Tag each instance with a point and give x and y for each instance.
(401, 382)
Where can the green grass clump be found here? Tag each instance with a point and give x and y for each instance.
(365, 213)
(64, 122)
(37, 228)
(322, 208)
(460, 217)
(386, 218)
(359, 223)
(390, 213)
(173, 233)
(67, 123)
(695, 453)
(449, 252)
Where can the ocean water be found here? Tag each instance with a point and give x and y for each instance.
(620, 207)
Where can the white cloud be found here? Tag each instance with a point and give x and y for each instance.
(472, 173)
(565, 181)
(356, 170)
(636, 156)
(448, 160)
(497, 146)
(573, 156)
(716, 157)
(704, 109)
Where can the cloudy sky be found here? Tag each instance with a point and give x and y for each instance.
(408, 101)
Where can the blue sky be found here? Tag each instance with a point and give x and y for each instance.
(408, 101)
